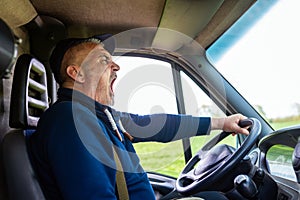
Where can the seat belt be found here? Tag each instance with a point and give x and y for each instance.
(120, 179)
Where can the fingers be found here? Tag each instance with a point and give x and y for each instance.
(243, 131)
(232, 124)
(237, 129)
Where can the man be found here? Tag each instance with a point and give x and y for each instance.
(80, 141)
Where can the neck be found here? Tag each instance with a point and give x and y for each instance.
(79, 87)
(87, 90)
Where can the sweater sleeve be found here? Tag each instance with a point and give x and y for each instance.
(164, 127)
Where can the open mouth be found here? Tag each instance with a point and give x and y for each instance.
(112, 84)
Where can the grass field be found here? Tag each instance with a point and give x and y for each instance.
(167, 158)
(280, 124)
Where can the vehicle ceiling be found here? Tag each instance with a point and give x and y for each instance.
(202, 20)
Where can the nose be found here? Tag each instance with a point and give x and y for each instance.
(115, 67)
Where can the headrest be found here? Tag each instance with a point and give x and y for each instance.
(8, 49)
(29, 96)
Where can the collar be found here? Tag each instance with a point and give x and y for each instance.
(66, 94)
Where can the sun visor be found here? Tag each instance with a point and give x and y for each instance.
(8, 49)
(175, 18)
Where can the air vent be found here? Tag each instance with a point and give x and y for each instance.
(37, 96)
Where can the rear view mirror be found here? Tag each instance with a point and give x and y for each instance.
(8, 49)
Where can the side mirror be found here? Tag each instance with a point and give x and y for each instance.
(8, 49)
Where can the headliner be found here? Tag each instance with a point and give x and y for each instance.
(202, 20)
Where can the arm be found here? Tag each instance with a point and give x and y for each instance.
(166, 127)
(163, 127)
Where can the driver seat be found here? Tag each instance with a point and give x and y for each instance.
(29, 99)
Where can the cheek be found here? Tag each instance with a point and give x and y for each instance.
(94, 77)
(103, 83)
(99, 77)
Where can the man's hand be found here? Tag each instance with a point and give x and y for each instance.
(229, 124)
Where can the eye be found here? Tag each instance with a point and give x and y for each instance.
(104, 62)
(104, 59)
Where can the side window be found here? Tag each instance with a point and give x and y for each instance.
(146, 86)
(198, 103)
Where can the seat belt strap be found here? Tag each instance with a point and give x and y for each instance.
(120, 179)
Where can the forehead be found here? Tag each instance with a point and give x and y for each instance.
(92, 50)
(87, 50)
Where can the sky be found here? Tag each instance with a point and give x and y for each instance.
(264, 64)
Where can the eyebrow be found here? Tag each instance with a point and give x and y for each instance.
(104, 57)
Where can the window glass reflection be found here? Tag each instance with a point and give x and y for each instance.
(279, 158)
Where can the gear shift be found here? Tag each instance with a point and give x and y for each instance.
(245, 186)
(296, 161)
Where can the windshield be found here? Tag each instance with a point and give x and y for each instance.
(260, 58)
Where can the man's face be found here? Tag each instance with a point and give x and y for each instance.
(101, 74)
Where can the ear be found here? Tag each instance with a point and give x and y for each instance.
(74, 72)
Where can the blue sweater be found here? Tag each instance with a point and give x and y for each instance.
(72, 154)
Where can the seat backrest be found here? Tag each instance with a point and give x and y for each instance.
(29, 99)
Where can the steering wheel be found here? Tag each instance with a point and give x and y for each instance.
(214, 162)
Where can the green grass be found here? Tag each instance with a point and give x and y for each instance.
(277, 124)
(166, 158)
